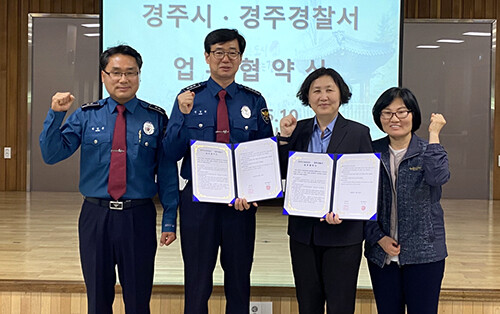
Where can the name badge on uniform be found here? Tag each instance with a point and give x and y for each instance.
(245, 112)
(148, 128)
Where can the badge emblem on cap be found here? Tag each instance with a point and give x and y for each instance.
(148, 128)
(245, 112)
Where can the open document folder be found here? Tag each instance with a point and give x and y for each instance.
(247, 170)
(313, 178)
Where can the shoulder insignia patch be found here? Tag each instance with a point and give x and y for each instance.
(194, 87)
(91, 105)
(250, 89)
(157, 109)
(264, 113)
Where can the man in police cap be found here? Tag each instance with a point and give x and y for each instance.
(223, 111)
(121, 152)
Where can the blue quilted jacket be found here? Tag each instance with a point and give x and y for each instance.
(422, 172)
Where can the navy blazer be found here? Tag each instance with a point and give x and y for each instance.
(347, 137)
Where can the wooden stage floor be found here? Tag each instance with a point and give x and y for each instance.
(38, 241)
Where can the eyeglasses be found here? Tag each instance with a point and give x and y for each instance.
(400, 114)
(115, 75)
(219, 54)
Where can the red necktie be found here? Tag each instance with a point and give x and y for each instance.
(117, 182)
(222, 133)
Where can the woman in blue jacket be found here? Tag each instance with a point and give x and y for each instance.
(406, 247)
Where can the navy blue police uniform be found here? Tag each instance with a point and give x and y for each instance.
(122, 232)
(204, 227)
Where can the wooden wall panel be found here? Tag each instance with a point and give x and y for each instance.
(409, 8)
(34, 6)
(490, 8)
(3, 88)
(446, 9)
(79, 7)
(46, 6)
(68, 7)
(423, 8)
(56, 6)
(479, 8)
(468, 9)
(434, 9)
(457, 9)
(13, 67)
(13, 37)
(91, 5)
(76, 303)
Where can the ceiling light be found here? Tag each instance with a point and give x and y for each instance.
(450, 41)
(427, 47)
(480, 34)
(91, 35)
(91, 25)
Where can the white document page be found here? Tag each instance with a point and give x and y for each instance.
(212, 172)
(309, 184)
(356, 186)
(257, 170)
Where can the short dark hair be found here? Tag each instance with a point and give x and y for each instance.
(223, 35)
(121, 49)
(409, 100)
(303, 93)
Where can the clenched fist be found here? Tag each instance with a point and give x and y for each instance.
(437, 123)
(62, 101)
(186, 101)
(287, 125)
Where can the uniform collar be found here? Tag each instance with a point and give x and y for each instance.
(215, 88)
(129, 105)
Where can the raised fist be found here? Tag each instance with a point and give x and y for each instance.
(437, 123)
(186, 101)
(62, 101)
(287, 125)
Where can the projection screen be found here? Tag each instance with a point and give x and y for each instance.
(361, 39)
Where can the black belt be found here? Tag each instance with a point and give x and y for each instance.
(117, 205)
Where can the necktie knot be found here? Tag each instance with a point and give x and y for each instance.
(120, 108)
(222, 94)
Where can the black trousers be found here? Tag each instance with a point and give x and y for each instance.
(415, 286)
(204, 228)
(125, 238)
(325, 274)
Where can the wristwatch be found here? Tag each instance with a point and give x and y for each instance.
(282, 138)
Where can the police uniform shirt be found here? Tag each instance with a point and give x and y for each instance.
(248, 119)
(92, 126)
